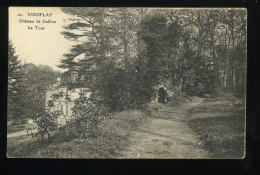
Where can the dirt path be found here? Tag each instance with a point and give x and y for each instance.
(17, 134)
(22, 132)
(166, 136)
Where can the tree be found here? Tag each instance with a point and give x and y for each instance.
(104, 42)
(37, 80)
(162, 34)
(208, 44)
(16, 89)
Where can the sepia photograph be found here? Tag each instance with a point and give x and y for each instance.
(127, 83)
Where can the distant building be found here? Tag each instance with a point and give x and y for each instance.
(65, 85)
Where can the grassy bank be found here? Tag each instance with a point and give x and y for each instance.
(220, 125)
(114, 137)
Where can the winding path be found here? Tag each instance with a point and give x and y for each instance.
(17, 134)
(166, 136)
(21, 133)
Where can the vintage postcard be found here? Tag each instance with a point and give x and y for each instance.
(138, 83)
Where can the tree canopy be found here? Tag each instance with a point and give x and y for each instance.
(125, 51)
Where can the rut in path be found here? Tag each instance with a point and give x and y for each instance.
(166, 135)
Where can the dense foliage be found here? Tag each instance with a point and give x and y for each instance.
(124, 52)
(37, 80)
(85, 119)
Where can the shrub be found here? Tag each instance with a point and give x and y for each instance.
(46, 120)
(65, 134)
(121, 89)
(87, 115)
(46, 125)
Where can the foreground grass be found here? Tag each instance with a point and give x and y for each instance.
(114, 138)
(220, 125)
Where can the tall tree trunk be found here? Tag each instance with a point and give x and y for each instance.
(102, 39)
(226, 62)
(180, 82)
(216, 65)
(200, 34)
(126, 51)
(180, 85)
(233, 48)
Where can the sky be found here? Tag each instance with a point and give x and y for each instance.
(39, 46)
